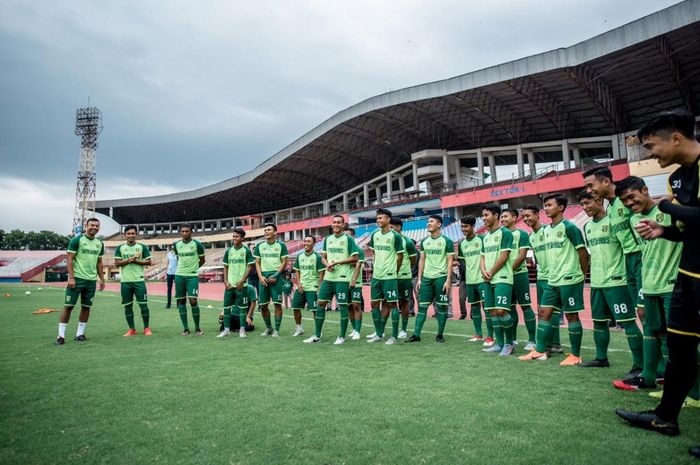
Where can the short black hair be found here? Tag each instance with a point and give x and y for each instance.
(600, 173)
(584, 194)
(534, 208)
(558, 197)
(129, 228)
(240, 232)
(92, 220)
(493, 208)
(384, 211)
(186, 225)
(629, 183)
(349, 229)
(469, 219)
(678, 120)
(396, 222)
(338, 215)
(512, 211)
(272, 225)
(437, 218)
(313, 239)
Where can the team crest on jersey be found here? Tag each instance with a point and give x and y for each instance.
(605, 228)
(620, 211)
(659, 217)
(560, 234)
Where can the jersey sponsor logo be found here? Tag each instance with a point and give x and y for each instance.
(599, 241)
(337, 250)
(270, 255)
(187, 254)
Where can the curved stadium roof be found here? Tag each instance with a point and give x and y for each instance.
(605, 85)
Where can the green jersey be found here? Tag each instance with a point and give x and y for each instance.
(237, 260)
(86, 253)
(469, 251)
(133, 272)
(337, 248)
(409, 250)
(660, 257)
(539, 248)
(188, 254)
(496, 242)
(308, 267)
(386, 249)
(434, 252)
(607, 258)
(520, 241)
(562, 241)
(620, 224)
(270, 255)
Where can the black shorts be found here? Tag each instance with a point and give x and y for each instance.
(684, 314)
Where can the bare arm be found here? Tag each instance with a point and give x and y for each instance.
(522, 253)
(421, 265)
(502, 259)
(356, 273)
(399, 261)
(239, 284)
(448, 281)
(297, 278)
(583, 259)
(261, 278)
(100, 273)
(71, 274)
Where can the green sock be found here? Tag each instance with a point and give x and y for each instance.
(635, 340)
(544, 334)
(395, 317)
(489, 326)
(556, 322)
(358, 325)
(145, 315)
(343, 320)
(278, 323)
(661, 368)
(319, 319)
(497, 330)
(507, 324)
(195, 317)
(530, 323)
(377, 320)
(404, 323)
(476, 319)
(182, 310)
(442, 319)
(227, 317)
(601, 338)
(576, 337)
(515, 318)
(242, 314)
(382, 325)
(268, 322)
(420, 319)
(652, 353)
(129, 314)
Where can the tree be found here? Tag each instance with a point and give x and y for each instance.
(42, 240)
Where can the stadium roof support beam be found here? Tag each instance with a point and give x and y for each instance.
(308, 174)
(671, 57)
(545, 102)
(599, 92)
(497, 111)
(378, 141)
(453, 136)
(333, 148)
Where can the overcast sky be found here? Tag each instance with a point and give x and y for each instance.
(196, 92)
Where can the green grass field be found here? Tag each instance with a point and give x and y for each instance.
(191, 400)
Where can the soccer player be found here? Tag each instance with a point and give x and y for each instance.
(308, 274)
(387, 245)
(84, 263)
(404, 281)
(660, 259)
(497, 270)
(670, 139)
(238, 263)
(357, 300)
(190, 257)
(567, 264)
(246, 308)
(131, 258)
(610, 299)
(270, 262)
(339, 254)
(521, 281)
(531, 217)
(469, 251)
(434, 277)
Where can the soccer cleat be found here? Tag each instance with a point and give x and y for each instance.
(506, 350)
(375, 339)
(59, 341)
(224, 333)
(647, 419)
(266, 332)
(412, 338)
(493, 349)
(570, 361)
(411, 313)
(439, 338)
(352, 334)
(199, 332)
(632, 384)
(633, 373)
(695, 452)
(370, 336)
(533, 355)
(475, 339)
(80, 338)
(339, 341)
(391, 341)
(529, 346)
(356, 336)
(147, 332)
(275, 333)
(595, 363)
(555, 349)
(656, 394)
(185, 332)
(463, 316)
(403, 334)
(298, 332)
(488, 342)
(131, 332)
(241, 333)
(311, 340)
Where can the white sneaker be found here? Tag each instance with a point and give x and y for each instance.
(298, 332)
(390, 341)
(375, 338)
(529, 346)
(311, 340)
(339, 341)
(242, 333)
(370, 336)
(403, 334)
(266, 332)
(275, 333)
(224, 333)
(352, 334)
(355, 336)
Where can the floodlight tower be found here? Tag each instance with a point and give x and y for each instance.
(88, 125)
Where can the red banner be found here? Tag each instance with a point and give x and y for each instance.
(308, 224)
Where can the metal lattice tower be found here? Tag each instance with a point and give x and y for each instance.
(88, 125)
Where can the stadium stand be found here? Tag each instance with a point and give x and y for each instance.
(26, 265)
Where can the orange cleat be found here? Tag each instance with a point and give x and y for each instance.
(533, 355)
(131, 332)
(147, 332)
(570, 361)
